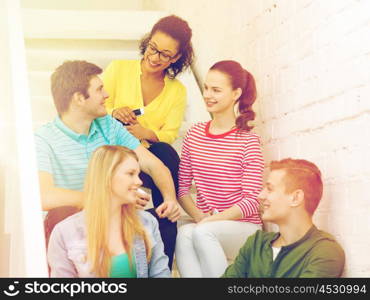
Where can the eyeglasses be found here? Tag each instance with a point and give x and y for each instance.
(162, 56)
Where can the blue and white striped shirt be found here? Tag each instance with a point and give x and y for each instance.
(65, 154)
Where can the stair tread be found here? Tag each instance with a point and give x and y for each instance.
(102, 24)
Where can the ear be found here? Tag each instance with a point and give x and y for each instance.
(297, 198)
(78, 99)
(237, 93)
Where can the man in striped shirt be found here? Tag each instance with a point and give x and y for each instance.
(65, 145)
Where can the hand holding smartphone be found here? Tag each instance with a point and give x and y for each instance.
(137, 112)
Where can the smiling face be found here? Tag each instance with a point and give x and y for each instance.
(218, 94)
(94, 104)
(275, 203)
(126, 181)
(167, 46)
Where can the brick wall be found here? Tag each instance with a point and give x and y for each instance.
(311, 60)
(313, 63)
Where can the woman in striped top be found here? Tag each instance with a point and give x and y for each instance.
(225, 161)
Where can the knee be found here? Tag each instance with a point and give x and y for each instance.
(166, 225)
(202, 233)
(185, 232)
(160, 146)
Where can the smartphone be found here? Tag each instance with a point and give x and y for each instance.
(137, 112)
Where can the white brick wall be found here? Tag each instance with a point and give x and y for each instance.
(322, 59)
(311, 60)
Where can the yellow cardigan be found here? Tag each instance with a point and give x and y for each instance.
(163, 115)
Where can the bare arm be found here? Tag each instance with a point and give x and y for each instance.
(160, 174)
(150, 135)
(162, 178)
(189, 206)
(142, 133)
(52, 196)
(232, 213)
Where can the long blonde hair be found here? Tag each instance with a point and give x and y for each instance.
(97, 199)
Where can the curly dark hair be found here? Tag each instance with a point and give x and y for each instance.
(179, 30)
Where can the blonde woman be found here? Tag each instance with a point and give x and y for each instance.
(109, 237)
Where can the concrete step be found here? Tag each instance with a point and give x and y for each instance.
(196, 109)
(83, 4)
(52, 58)
(102, 24)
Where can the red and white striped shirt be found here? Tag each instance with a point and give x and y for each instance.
(227, 170)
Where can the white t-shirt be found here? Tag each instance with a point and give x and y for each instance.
(275, 252)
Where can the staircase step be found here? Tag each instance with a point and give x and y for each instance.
(196, 110)
(103, 24)
(83, 4)
(52, 58)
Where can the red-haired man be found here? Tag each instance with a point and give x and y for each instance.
(290, 197)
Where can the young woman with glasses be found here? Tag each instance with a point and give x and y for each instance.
(109, 237)
(225, 161)
(150, 83)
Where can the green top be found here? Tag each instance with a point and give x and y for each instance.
(121, 267)
(316, 254)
